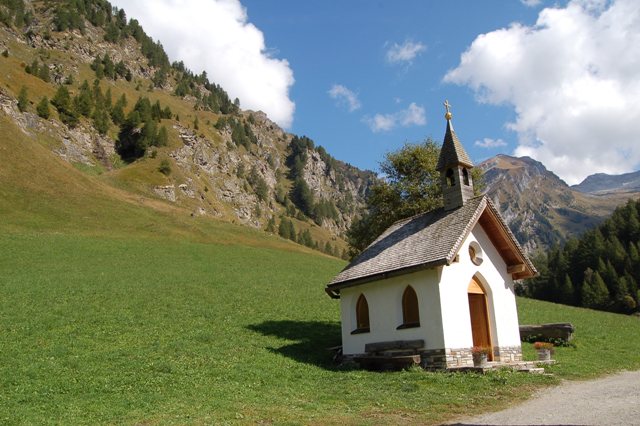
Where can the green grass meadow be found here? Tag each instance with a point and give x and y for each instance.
(117, 308)
(99, 330)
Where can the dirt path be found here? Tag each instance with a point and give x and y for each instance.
(612, 400)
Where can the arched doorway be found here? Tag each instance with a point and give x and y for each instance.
(479, 313)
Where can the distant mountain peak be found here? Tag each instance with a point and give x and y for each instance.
(526, 166)
(602, 183)
(540, 208)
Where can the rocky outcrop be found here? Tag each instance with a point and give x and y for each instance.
(79, 145)
(333, 183)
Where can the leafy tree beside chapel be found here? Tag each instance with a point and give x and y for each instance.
(411, 186)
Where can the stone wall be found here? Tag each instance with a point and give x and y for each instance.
(508, 354)
(438, 359)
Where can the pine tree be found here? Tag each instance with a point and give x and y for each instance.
(43, 108)
(284, 229)
(538, 285)
(292, 230)
(594, 290)
(117, 112)
(62, 98)
(66, 111)
(109, 67)
(304, 238)
(328, 249)
(632, 288)
(566, 291)
(23, 99)
(108, 101)
(271, 225)
(302, 196)
(612, 281)
(163, 137)
(83, 102)
(632, 225)
(101, 120)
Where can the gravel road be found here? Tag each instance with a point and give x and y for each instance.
(612, 400)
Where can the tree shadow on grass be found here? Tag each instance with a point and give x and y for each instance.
(313, 339)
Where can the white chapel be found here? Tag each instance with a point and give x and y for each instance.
(440, 282)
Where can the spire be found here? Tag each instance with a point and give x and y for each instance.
(454, 166)
(452, 152)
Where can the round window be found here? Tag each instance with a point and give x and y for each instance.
(475, 253)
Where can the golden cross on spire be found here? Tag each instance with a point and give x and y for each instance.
(447, 115)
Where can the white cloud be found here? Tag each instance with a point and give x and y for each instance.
(344, 95)
(414, 115)
(531, 3)
(574, 82)
(381, 122)
(215, 35)
(490, 143)
(405, 52)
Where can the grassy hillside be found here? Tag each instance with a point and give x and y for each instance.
(39, 192)
(604, 342)
(138, 330)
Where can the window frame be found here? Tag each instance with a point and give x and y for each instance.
(363, 321)
(410, 309)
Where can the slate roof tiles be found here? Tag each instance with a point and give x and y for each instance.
(421, 241)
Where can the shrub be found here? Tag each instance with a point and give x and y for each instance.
(165, 167)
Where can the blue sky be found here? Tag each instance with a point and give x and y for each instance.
(346, 43)
(558, 81)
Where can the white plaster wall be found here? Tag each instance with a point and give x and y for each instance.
(385, 311)
(498, 284)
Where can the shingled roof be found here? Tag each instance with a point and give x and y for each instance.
(428, 240)
(452, 152)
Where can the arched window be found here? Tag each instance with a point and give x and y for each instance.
(410, 310)
(362, 315)
(450, 180)
(465, 176)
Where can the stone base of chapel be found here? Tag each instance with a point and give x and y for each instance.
(442, 359)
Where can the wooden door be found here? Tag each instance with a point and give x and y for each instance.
(479, 317)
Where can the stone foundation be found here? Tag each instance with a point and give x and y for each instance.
(507, 354)
(441, 359)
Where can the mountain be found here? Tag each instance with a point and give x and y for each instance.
(93, 89)
(602, 183)
(539, 207)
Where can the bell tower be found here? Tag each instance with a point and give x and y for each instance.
(455, 167)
